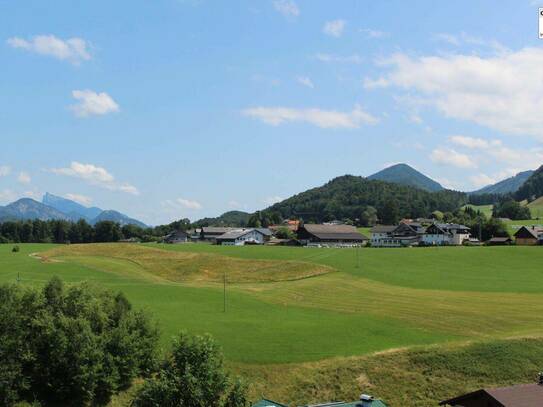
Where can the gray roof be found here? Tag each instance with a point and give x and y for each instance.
(334, 232)
(216, 230)
(450, 226)
(264, 231)
(234, 234)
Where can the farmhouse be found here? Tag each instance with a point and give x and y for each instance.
(240, 237)
(523, 395)
(405, 234)
(177, 236)
(445, 234)
(330, 235)
(210, 233)
(500, 241)
(529, 235)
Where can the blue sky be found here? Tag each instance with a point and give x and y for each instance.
(188, 108)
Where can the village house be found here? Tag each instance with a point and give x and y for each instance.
(407, 233)
(523, 395)
(500, 241)
(210, 233)
(445, 234)
(364, 401)
(330, 235)
(177, 236)
(529, 235)
(241, 237)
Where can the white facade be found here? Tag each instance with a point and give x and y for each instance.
(251, 236)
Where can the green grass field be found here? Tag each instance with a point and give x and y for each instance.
(293, 309)
(485, 209)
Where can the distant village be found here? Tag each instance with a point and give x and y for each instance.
(408, 233)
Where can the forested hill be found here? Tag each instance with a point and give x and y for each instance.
(348, 197)
(231, 218)
(533, 187)
(506, 186)
(405, 175)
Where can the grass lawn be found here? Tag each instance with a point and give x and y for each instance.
(292, 309)
(485, 209)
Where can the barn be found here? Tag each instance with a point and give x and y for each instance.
(330, 235)
(529, 235)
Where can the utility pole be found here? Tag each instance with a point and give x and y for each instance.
(224, 291)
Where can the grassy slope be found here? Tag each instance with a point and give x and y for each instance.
(394, 298)
(485, 209)
(536, 208)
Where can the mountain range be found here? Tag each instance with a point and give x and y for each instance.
(55, 207)
(509, 185)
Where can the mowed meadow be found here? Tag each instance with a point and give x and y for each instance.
(292, 319)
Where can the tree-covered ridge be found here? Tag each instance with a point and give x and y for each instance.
(405, 175)
(532, 188)
(231, 218)
(348, 197)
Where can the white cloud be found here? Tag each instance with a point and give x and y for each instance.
(5, 170)
(82, 199)
(74, 49)
(451, 157)
(374, 33)
(24, 178)
(317, 117)
(270, 200)
(92, 103)
(287, 7)
(448, 38)
(352, 59)
(334, 28)
(304, 80)
(503, 92)
(95, 175)
(481, 180)
(472, 142)
(182, 203)
(375, 83)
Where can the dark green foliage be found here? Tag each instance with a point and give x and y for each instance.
(107, 231)
(532, 188)
(15, 249)
(231, 218)
(511, 209)
(285, 233)
(349, 196)
(193, 375)
(405, 175)
(70, 346)
(485, 199)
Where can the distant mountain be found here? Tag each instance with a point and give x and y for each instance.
(231, 218)
(70, 207)
(27, 208)
(118, 217)
(403, 174)
(532, 187)
(506, 186)
(350, 196)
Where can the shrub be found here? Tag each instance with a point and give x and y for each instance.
(16, 249)
(70, 346)
(193, 375)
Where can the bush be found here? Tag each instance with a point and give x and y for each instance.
(16, 249)
(70, 346)
(193, 375)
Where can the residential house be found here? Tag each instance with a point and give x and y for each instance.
(523, 395)
(266, 232)
(529, 235)
(364, 401)
(175, 237)
(445, 234)
(404, 234)
(210, 233)
(500, 241)
(241, 237)
(330, 235)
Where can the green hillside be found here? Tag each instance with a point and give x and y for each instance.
(405, 175)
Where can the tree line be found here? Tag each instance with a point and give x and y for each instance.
(79, 345)
(61, 231)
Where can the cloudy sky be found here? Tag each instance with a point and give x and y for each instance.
(187, 108)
